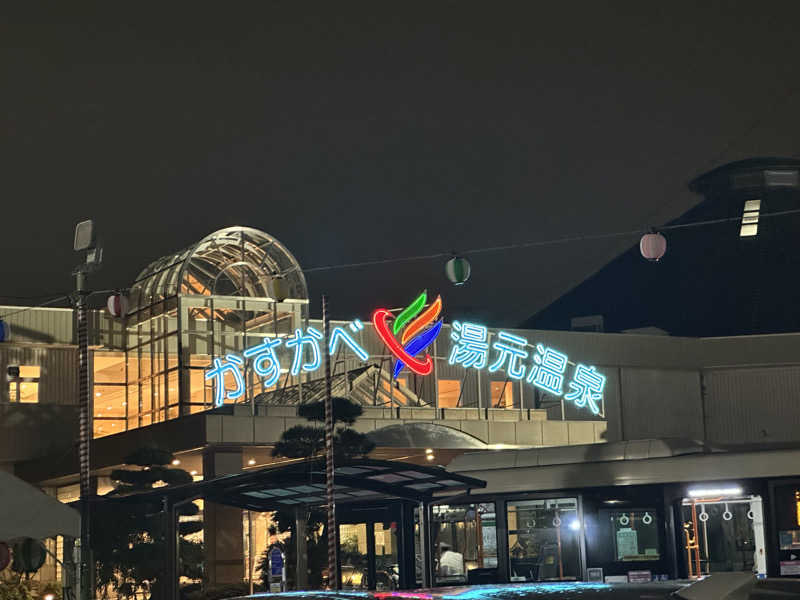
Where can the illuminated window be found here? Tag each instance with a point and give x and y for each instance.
(750, 218)
(502, 394)
(634, 534)
(449, 393)
(23, 384)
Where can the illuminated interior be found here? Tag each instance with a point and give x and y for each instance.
(449, 393)
(221, 295)
(502, 394)
(25, 387)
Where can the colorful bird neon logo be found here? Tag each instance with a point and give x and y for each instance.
(416, 337)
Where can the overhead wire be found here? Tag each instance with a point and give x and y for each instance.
(539, 243)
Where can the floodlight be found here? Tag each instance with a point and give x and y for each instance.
(84, 235)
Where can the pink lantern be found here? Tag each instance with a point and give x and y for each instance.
(653, 246)
(117, 305)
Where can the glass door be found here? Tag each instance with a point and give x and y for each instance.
(368, 556)
(354, 556)
(723, 534)
(544, 540)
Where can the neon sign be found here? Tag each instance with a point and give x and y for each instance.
(406, 355)
(407, 337)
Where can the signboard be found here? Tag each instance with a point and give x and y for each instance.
(627, 543)
(594, 574)
(640, 576)
(790, 567)
(407, 337)
(275, 562)
(277, 569)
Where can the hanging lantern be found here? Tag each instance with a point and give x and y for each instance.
(457, 270)
(117, 305)
(653, 246)
(29, 556)
(5, 331)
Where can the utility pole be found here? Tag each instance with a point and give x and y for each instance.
(334, 581)
(85, 241)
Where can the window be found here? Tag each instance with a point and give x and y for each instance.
(465, 538)
(750, 218)
(502, 394)
(634, 534)
(544, 540)
(109, 400)
(449, 393)
(23, 383)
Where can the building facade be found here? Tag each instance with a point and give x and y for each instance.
(217, 350)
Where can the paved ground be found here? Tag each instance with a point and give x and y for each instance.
(563, 591)
(530, 591)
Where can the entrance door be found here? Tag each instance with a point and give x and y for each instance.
(368, 555)
(723, 535)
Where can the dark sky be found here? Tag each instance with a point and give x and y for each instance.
(351, 132)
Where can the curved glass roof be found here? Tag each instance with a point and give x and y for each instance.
(235, 261)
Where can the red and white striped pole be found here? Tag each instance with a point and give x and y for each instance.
(333, 572)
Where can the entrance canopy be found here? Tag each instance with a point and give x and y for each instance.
(303, 483)
(27, 512)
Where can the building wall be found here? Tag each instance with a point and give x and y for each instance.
(753, 405)
(50, 426)
(58, 379)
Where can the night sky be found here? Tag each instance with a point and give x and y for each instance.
(351, 132)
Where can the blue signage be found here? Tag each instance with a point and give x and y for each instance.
(276, 562)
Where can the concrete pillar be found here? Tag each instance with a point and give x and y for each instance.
(222, 525)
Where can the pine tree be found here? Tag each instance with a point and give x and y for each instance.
(129, 540)
(308, 441)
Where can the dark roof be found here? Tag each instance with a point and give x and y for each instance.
(303, 483)
(711, 281)
(721, 176)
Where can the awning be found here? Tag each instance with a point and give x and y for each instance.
(303, 483)
(27, 512)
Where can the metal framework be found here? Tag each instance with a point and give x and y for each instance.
(217, 296)
(302, 484)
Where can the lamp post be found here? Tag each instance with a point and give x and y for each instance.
(85, 242)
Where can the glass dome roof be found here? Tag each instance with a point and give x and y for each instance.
(235, 261)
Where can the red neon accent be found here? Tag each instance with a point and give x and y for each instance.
(427, 317)
(420, 367)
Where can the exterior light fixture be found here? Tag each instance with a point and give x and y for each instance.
(193, 472)
(430, 457)
(428, 450)
(176, 462)
(575, 525)
(714, 492)
(251, 462)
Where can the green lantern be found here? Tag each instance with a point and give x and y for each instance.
(457, 270)
(29, 555)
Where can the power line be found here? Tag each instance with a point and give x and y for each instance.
(47, 302)
(540, 243)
